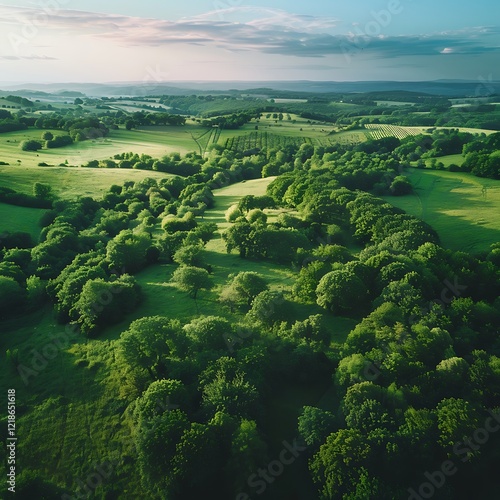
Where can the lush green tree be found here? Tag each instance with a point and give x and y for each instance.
(172, 224)
(401, 186)
(429, 345)
(42, 191)
(208, 332)
(248, 453)
(341, 292)
(457, 420)
(269, 307)
(304, 288)
(196, 464)
(190, 255)
(47, 136)
(192, 279)
(354, 369)
(148, 341)
(420, 433)
(160, 397)
(104, 303)
(315, 425)
(12, 295)
(453, 372)
(336, 466)
(233, 395)
(128, 251)
(256, 215)
(243, 288)
(310, 331)
(31, 145)
(157, 439)
(233, 213)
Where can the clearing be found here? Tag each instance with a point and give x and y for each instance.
(462, 208)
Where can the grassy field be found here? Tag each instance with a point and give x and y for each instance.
(462, 208)
(13, 218)
(154, 141)
(69, 182)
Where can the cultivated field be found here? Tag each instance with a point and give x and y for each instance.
(379, 131)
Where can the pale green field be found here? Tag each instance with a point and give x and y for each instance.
(154, 141)
(70, 182)
(463, 209)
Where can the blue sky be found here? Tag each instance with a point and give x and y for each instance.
(164, 40)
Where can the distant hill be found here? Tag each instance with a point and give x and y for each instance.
(446, 88)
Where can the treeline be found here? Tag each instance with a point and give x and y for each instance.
(12, 197)
(11, 123)
(22, 101)
(141, 118)
(78, 128)
(219, 168)
(480, 152)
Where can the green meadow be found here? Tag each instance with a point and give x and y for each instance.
(70, 182)
(24, 219)
(153, 141)
(462, 208)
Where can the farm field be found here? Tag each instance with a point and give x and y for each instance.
(70, 182)
(460, 207)
(271, 134)
(379, 131)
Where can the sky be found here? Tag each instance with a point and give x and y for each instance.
(55, 41)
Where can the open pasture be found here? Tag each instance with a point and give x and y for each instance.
(463, 209)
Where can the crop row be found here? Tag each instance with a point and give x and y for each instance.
(380, 131)
(263, 140)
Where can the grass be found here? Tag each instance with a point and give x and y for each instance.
(154, 141)
(460, 207)
(14, 218)
(448, 160)
(69, 182)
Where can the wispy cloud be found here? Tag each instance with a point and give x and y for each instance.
(268, 31)
(30, 58)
